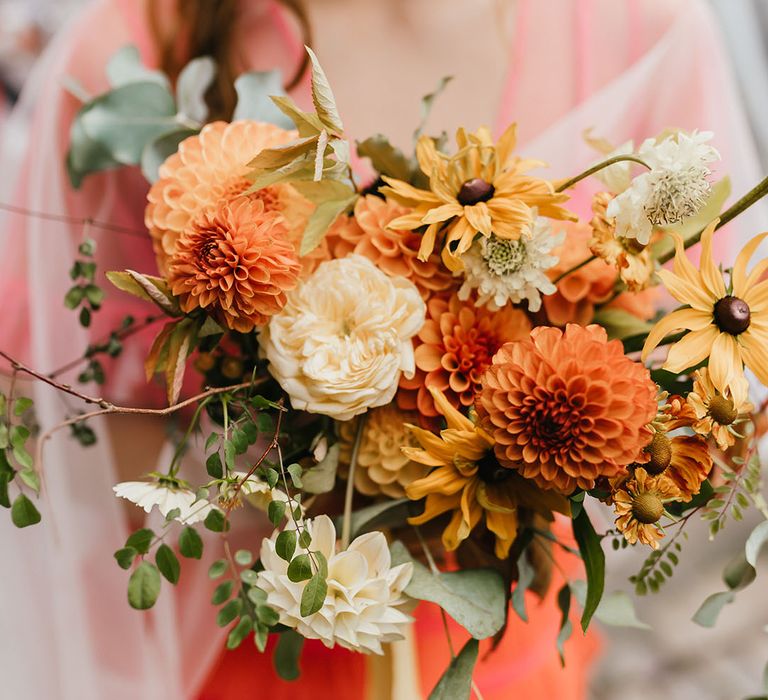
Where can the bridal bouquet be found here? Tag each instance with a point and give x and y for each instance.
(427, 380)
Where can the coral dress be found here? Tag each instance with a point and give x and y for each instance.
(630, 69)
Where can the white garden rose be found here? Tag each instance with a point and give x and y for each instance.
(339, 345)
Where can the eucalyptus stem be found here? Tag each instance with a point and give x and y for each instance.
(346, 528)
(597, 168)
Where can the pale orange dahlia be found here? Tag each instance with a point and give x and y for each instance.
(453, 350)
(235, 261)
(580, 291)
(394, 251)
(210, 168)
(566, 408)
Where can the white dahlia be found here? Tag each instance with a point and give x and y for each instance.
(675, 188)
(339, 345)
(365, 605)
(167, 495)
(504, 271)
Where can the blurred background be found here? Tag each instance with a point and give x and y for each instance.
(676, 660)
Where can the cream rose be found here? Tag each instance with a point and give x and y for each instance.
(340, 343)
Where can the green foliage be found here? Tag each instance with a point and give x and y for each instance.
(215, 521)
(222, 593)
(229, 612)
(285, 544)
(657, 568)
(566, 628)
(381, 515)
(190, 543)
(23, 512)
(300, 568)
(615, 609)
(85, 294)
(287, 655)
(456, 682)
(168, 564)
(125, 557)
(594, 562)
(313, 595)
(140, 540)
(243, 557)
(739, 490)
(239, 632)
(144, 586)
(475, 598)
(217, 569)
(255, 93)
(276, 512)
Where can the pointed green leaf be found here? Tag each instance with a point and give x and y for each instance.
(594, 562)
(168, 563)
(456, 682)
(322, 96)
(287, 655)
(300, 568)
(285, 544)
(313, 595)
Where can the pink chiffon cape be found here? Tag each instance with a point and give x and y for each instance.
(629, 69)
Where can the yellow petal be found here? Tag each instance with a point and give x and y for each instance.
(426, 154)
(506, 145)
(724, 361)
(709, 272)
(692, 349)
(436, 504)
(479, 218)
(453, 417)
(688, 293)
(739, 277)
(681, 266)
(689, 319)
(428, 242)
(756, 298)
(442, 213)
(444, 480)
(754, 350)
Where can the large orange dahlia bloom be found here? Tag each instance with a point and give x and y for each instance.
(210, 168)
(566, 408)
(453, 350)
(235, 260)
(394, 251)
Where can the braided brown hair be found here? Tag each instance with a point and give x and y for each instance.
(208, 27)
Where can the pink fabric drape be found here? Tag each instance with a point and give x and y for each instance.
(628, 69)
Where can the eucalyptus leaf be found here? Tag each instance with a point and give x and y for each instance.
(456, 682)
(755, 542)
(125, 67)
(254, 93)
(621, 324)
(322, 477)
(194, 81)
(85, 155)
(526, 574)
(615, 609)
(564, 603)
(475, 598)
(381, 515)
(710, 609)
(126, 119)
(156, 152)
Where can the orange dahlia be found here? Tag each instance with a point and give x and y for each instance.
(210, 168)
(394, 251)
(566, 408)
(579, 291)
(453, 350)
(235, 260)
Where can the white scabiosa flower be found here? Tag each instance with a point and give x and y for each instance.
(365, 605)
(504, 271)
(167, 495)
(675, 188)
(343, 339)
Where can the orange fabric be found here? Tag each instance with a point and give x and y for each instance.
(525, 666)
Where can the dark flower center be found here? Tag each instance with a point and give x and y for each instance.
(474, 191)
(722, 410)
(732, 315)
(490, 471)
(660, 451)
(647, 508)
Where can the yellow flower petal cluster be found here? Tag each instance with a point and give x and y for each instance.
(717, 412)
(468, 482)
(639, 505)
(483, 188)
(728, 326)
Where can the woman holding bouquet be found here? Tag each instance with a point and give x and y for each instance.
(634, 68)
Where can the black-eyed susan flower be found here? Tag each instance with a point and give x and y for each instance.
(728, 326)
(483, 188)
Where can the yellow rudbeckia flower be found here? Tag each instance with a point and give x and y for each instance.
(468, 481)
(728, 326)
(481, 189)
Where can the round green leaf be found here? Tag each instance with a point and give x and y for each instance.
(23, 512)
(190, 543)
(144, 586)
(168, 563)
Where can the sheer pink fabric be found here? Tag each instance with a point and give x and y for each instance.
(629, 69)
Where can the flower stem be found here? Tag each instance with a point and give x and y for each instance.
(346, 528)
(754, 195)
(597, 168)
(574, 268)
